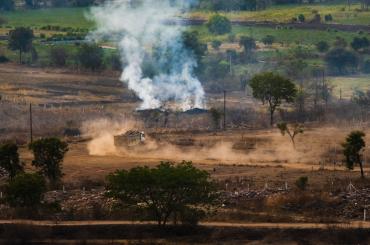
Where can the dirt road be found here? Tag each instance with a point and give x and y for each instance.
(350, 225)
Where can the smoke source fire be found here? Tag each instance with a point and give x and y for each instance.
(157, 66)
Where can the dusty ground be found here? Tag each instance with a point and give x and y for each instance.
(257, 168)
(271, 160)
(60, 96)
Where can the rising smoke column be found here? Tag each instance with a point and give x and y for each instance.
(143, 37)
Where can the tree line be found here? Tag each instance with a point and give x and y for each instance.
(212, 5)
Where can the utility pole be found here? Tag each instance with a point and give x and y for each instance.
(231, 66)
(31, 133)
(225, 110)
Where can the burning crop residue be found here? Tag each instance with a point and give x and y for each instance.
(157, 66)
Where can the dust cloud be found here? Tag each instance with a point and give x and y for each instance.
(270, 147)
(102, 132)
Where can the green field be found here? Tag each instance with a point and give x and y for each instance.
(285, 36)
(75, 18)
(63, 17)
(284, 13)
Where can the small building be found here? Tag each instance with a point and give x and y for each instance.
(130, 138)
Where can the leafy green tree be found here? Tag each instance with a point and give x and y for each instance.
(48, 157)
(248, 43)
(366, 66)
(9, 159)
(25, 190)
(340, 42)
(166, 191)
(342, 60)
(82, 3)
(301, 18)
(20, 39)
(115, 62)
(301, 183)
(231, 37)
(292, 132)
(352, 148)
(219, 25)
(322, 46)
(362, 98)
(360, 43)
(3, 20)
(268, 40)
(191, 42)
(295, 67)
(328, 17)
(58, 56)
(232, 5)
(216, 44)
(217, 69)
(90, 56)
(273, 89)
(6, 5)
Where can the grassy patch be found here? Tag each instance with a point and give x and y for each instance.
(284, 13)
(75, 18)
(348, 84)
(285, 36)
(63, 17)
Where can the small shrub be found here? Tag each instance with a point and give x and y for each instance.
(219, 25)
(91, 56)
(301, 183)
(317, 18)
(301, 18)
(366, 66)
(2, 20)
(322, 46)
(216, 44)
(268, 40)
(231, 37)
(58, 56)
(328, 18)
(3, 59)
(25, 190)
(192, 217)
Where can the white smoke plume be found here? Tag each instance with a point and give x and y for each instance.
(142, 36)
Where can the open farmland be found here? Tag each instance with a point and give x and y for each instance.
(153, 122)
(75, 17)
(63, 17)
(283, 35)
(285, 13)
